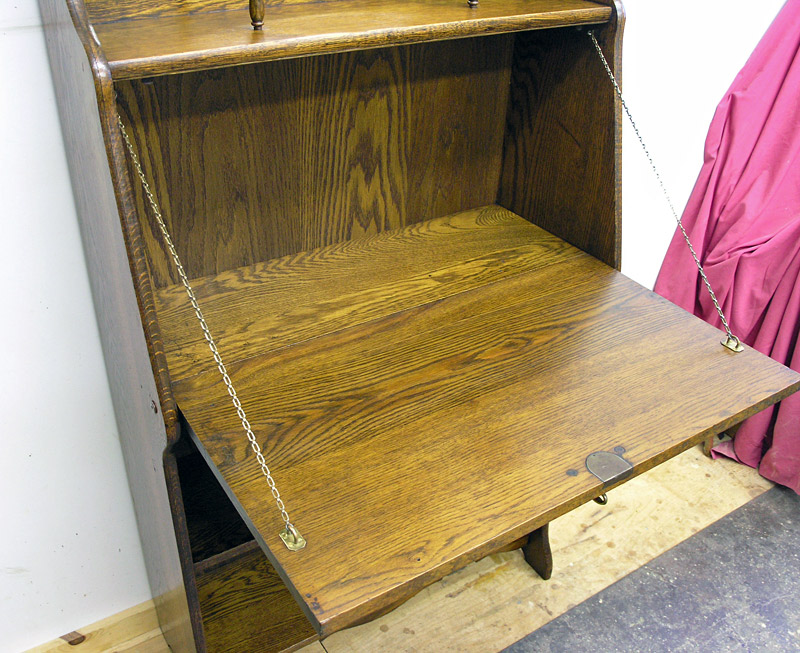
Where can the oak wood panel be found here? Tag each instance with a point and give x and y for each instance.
(246, 606)
(145, 413)
(274, 304)
(408, 446)
(257, 162)
(165, 44)
(594, 546)
(563, 138)
(110, 11)
(495, 602)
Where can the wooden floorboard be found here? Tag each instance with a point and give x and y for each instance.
(134, 629)
(497, 601)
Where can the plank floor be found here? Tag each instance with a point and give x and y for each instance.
(732, 588)
(493, 603)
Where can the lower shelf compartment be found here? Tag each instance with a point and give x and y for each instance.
(246, 607)
(427, 396)
(214, 525)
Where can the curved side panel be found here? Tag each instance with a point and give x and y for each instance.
(561, 162)
(145, 413)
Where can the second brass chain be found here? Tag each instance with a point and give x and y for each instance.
(731, 341)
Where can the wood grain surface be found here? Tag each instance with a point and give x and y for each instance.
(163, 42)
(561, 152)
(246, 606)
(278, 303)
(493, 603)
(261, 161)
(258, 162)
(412, 444)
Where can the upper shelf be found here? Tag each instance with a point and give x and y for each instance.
(166, 44)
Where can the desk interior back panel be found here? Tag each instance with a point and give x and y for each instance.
(256, 162)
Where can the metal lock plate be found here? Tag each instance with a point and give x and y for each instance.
(609, 467)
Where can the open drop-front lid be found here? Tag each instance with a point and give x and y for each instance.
(429, 394)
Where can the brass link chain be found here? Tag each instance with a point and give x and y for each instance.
(290, 536)
(731, 342)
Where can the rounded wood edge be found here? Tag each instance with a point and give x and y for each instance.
(107, 109)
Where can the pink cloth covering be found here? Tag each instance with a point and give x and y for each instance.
(744, 220)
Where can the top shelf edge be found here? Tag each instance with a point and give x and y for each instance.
(155, 46)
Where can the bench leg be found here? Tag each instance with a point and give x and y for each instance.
(537, 552)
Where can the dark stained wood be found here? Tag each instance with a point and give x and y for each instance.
(561, 154)
(711, 441)
(111, 11)
(136, 369)
(410, 445)
(180, 533)
(271, 305)
(74, 638)
(212, 522)
(513, 546)
(165, 43)
(327, 149)
(246, 607)
(537, 552)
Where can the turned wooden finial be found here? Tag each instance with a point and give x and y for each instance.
(257, 8)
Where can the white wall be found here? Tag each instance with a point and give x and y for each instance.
(69, 554)
(679, 59)
(69, 550)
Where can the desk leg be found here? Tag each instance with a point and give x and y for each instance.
(537, 552)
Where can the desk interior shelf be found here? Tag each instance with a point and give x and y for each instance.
(179, 38)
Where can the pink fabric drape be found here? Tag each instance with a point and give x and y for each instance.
(744, 220)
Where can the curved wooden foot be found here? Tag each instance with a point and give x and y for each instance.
(537, 552)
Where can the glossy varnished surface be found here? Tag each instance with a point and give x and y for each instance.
(257, 162)
(560, 154)
(493, 603)
(246, 607)
(145, 412)
(410, 444)
(277, 303)
(165, 42)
